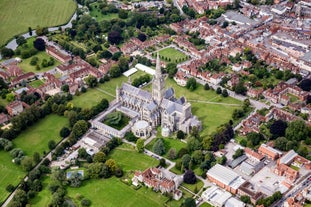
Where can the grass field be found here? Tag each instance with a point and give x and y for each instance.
(36, 138)
(172, 55)
(168, 143)
(36, 83)
(95, 12)
(17, 15)
(129, 159)
(25, 64)
(10, 174)
(112, 192)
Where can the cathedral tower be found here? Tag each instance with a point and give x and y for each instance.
(158, 83)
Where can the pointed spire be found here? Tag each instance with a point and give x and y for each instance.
(158, 66)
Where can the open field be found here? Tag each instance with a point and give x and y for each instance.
(10, 174)
(129, 159)
(112, 192)
(32, 13)
(36, 83)
(172, 55)
(36, 138)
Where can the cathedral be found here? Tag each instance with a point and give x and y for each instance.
(158, 108)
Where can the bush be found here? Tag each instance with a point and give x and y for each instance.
(10, 188)
(85, 202)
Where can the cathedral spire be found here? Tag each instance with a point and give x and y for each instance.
(158, 72)
(158, 83)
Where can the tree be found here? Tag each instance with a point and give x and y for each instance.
(39, 44)
(297, 130)
(129, 136)
(140, 145)
(21, 40)
(51, 144)
(82, 153)
(99, 157)
(27, 163)
(7, 52)
(65, 88)
(142, 37)
(162, 162)
(159, 147)
(254, 139)
(240, 88)
(64, 132)
(206, 86)
(171, 69)
(91, 81)
(36, 157)
(245, 199)
(225, 93)
(19, 199)
(188, 202)
(305, 84)
(191, 84)
(10, 188)
(189, 177)
(180, 134)
(123, 14)
(172, 154)
(115, 71)
(75, 179)
(278, 128)
(197, 156)
(79, 128)
(239, 152)
(185, 160)
(114, 37)
(218, 90)
(111, 164)
(30, 31)
(85, 202)
(193, 144)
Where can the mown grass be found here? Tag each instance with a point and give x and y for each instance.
(10, 174)
(36, 137)
(17, 15)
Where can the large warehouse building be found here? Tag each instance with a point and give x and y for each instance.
(225, 178)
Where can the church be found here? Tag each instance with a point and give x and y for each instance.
(158, 108)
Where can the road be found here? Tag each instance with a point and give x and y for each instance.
(178, 7)
(298, 187)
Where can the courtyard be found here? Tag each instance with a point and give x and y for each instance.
(171, 54)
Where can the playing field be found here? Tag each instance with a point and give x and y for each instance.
(36, 138)
(17, 15)
(172, 55)
(10, 174)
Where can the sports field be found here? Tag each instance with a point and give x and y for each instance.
(17, 15)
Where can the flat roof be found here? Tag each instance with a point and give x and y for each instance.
(233, 202)
(288, 157)
(145, 69)
(130, 72)
(216, 196)
(222, 174)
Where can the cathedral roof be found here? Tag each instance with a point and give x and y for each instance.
(169, 93)
(136, 91)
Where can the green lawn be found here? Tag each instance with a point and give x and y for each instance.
(172, 55)
(112, 192)
(36, 83)
(17, 15)
(44, 197)
(94, 95)
(168, 143)
(36, 138)
(192, 187)
(129, 159)
(10, 174)
(96, 12)
(26, 67)
(206, 205)
(123, 122)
